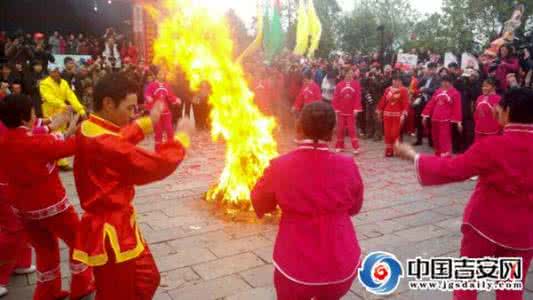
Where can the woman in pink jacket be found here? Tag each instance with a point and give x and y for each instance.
(484, 115)
(316, 254)
(498, 219)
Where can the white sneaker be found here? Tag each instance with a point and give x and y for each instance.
(474, 178)
(29, 270)
(339, 150)
(356, 152)
(3, 291)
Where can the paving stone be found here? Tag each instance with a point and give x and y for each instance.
(239, 246)
(265, 254)
(212, 289)
(176, 278)
(260, 276)
(264, 293)
(184, 258)
(227, 265)
(421, 233)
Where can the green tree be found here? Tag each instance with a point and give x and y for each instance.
(328, 12)
(239, 33)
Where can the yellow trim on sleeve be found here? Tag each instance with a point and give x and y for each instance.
(111, 233)
(146, 125)
(183, 138)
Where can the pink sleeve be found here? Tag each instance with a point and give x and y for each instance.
(457, 114)
(358, 190)
(381, 103)
(434, 170)
(263, 194)
(428, 110)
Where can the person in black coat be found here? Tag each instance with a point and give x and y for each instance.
(427, 87)
(31, 85)
(469, 86)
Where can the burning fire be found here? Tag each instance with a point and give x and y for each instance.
(200, 44)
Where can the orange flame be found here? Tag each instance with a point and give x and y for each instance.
(200, 44)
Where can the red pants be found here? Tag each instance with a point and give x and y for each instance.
(44, 236)
(287, 289)
(410, 121)
(164, 126)
(441, 134)
(346, 122)
(475, 246)
(392, 127)
(136, 279)
(14, 253)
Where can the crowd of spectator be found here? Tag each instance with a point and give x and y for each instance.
(26, 58)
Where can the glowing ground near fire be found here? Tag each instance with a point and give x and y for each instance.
(200, 44)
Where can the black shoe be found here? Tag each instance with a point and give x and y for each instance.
(417, 143)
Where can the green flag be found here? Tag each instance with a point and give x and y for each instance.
(273, 42)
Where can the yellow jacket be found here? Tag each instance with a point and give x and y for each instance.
(56, 97)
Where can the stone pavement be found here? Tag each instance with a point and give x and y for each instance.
(202, 256)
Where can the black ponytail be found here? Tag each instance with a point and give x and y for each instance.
(15, 109)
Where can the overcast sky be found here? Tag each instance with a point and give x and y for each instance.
(247, 9)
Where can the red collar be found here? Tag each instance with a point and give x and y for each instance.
(314, 145)
(104, 123)
(516, 127)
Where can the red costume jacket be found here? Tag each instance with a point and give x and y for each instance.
(308, 94)
(486, 123)
(444, 106)
(347, 97)
(394, 102)
(501, 207)
(315, 231)
(8, 220)
(28, 161)
(107, 166)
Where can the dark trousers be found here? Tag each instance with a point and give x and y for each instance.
(462, 141)
(372, 123)
(201, 115)
(420, 129)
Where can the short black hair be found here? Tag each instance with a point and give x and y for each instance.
(67, 60)
(491, 81)
(520, 104)
(15, 109)
(115, 86)
(318, 121)
(308, 75)
(432, 65)
(453, 65)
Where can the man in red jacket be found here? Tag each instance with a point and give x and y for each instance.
(108, 165)
(347, 104)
